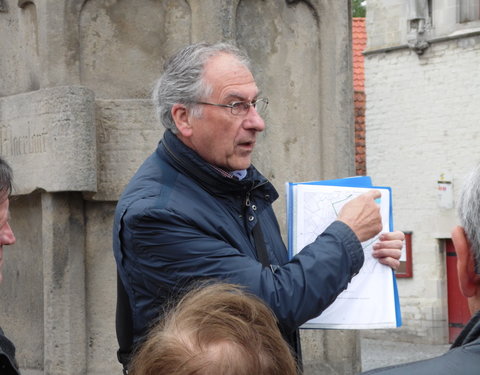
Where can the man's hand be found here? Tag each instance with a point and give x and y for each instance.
(362, 215)
(389, 248)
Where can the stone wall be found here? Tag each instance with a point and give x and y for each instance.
(422, 121)
(76, 121)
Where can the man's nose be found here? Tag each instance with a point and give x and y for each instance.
(6, 236)
(253, 120)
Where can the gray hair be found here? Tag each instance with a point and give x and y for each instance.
(181, 81)
(6, 178)
(469, 211)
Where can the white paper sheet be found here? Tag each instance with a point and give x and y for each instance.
(370, 300)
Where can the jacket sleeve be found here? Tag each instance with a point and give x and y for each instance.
(165, 251)
(305, 286)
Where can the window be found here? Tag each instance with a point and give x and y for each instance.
(468, 10)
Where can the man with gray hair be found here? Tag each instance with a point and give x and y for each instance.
(198, 209)
(463, 358)
(8, 365)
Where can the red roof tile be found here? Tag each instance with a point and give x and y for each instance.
(359, 43)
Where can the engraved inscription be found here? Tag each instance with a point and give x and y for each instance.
(32, 141)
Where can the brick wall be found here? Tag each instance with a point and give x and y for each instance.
(359, 114)
(359, 42)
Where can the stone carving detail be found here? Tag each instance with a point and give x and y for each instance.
(129, 36)
(3, 6)
(419, 23)
(24, 3)
(32, 141)
(310, 6)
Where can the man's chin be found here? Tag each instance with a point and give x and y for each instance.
(242, 163)
(240, 167)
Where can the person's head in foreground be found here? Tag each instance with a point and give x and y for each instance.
(463, 358)
(466, 239)
(6, 234)
(215, 329)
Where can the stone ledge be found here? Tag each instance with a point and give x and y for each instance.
(48, 138)
(62, 139)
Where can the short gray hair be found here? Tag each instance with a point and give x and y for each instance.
(181, 81)
(469, 211)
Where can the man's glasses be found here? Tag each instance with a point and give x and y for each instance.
(241, 108)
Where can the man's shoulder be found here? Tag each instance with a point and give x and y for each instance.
(148, 179)
(464, 360)
(6, 346)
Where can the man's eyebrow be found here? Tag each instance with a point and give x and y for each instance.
(240, 97)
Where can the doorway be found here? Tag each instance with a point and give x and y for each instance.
(458, 312)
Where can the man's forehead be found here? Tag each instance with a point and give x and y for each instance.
(225, 65)
(228, 75)
(224, 57)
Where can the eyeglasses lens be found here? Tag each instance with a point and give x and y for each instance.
(241, 108)
(260, 105)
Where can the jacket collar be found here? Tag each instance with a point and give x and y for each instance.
(470, 333)
(7, 349)
(189, 162)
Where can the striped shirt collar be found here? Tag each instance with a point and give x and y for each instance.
(237, 175)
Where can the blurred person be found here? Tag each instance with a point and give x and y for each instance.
(216, 329)
(197, 207)
(463, 358)
(8, 364)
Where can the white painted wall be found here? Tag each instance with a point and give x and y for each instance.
(422, 119)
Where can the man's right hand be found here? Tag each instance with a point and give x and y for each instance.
(362, 215)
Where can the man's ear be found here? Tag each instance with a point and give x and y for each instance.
(467, 277)
(182, 119)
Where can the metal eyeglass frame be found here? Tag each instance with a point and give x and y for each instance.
(242, 107)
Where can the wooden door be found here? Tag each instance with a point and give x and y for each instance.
(458, 312)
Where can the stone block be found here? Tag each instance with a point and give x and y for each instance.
(48, 138)
(127, 132)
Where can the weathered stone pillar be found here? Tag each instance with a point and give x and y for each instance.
(48, 137)
(63, 244)
(331, 352)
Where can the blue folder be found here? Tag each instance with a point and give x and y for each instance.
(356, 181)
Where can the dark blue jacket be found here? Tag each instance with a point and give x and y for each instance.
(8, 364)
(179, 220)
(463, 358)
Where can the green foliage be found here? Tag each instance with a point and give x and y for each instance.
(358, 8)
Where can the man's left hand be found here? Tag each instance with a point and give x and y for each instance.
(389, 249)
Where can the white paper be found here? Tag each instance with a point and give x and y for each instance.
(369, 301)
